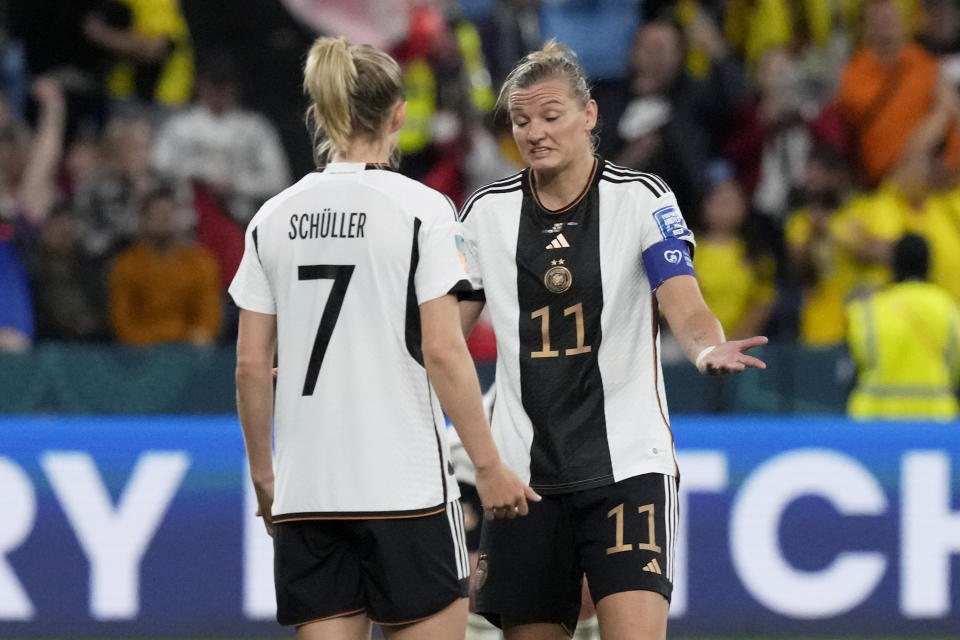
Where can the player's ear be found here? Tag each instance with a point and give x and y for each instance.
(398, 116)
(590, 110)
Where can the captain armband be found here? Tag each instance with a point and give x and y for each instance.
(667, 259)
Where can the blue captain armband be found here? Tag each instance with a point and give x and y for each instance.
(668, 258)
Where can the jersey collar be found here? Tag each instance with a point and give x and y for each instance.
(352, 167)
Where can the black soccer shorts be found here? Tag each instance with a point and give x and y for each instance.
(394, 570)
(621, 535)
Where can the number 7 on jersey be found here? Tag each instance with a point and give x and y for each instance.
(340, 274)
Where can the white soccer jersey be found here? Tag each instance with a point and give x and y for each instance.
(344, 258)
(580, 398)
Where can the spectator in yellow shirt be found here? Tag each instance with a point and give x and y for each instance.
(836, 249)
(161, 289)
(922, 196)
(736, 287)
(905, 341)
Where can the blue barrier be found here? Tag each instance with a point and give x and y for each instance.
(144, 525)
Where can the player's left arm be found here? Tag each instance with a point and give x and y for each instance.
(699, 332)
(666, 245)
(256, 345)
(470, 311)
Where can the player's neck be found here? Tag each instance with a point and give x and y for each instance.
(557, 189)
(366, 151)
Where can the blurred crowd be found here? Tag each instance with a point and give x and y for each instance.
(803, 139)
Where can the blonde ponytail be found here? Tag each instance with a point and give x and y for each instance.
(330, 78)
(351, 89)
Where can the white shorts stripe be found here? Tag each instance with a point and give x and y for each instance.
(667, 525)
(455, 518)
(674, 522)
(463, 542)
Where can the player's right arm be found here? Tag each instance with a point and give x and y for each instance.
(454, 378)
(256, 345)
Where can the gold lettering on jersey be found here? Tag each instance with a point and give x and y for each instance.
(557, 278)
(327, 224)
(580, 348)
(546, 352)
(618, 544)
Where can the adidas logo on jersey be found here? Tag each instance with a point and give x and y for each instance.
(558, 243)
(653, 567)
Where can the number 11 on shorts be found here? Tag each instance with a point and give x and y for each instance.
(619, 545)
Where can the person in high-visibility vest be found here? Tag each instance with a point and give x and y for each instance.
(905, 341)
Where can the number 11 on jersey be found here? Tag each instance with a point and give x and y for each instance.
(340, 274)
(544, 314)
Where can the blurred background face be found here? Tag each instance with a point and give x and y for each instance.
(58, 236)
(83, 160)
(158, 221)
(822, 181)
(882, 26)
(219, 96)
(724, 208)
(657, 57)
(12, 159)
(775, 71)
(132, 145)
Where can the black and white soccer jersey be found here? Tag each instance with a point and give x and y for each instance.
(344, 258)
(580, 397)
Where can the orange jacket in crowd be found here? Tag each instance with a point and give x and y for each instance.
(885, 103)
(165, 297)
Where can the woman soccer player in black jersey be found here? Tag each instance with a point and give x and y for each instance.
(575, 259)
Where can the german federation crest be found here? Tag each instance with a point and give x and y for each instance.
(557, 278)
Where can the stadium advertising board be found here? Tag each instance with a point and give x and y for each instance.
(144, 525)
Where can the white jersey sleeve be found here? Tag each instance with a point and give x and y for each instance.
(470, 245)
(662, 220)
(250, 288)
(666, 242)
(471, 262)
(441, 268)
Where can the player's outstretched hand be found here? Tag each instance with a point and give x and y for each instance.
(502, 492)
(731, 357)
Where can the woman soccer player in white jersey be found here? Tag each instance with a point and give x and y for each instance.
(350, 277)
(575, 259)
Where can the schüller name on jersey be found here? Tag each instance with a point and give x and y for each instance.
(327, 224)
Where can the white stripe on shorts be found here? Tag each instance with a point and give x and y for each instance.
(671, 520)
(455, 518)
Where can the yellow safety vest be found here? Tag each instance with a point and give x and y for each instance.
(905, 341)
(159, 18)
(421, 89)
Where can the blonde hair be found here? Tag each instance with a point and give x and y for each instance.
(554, 60)
(351, 88)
